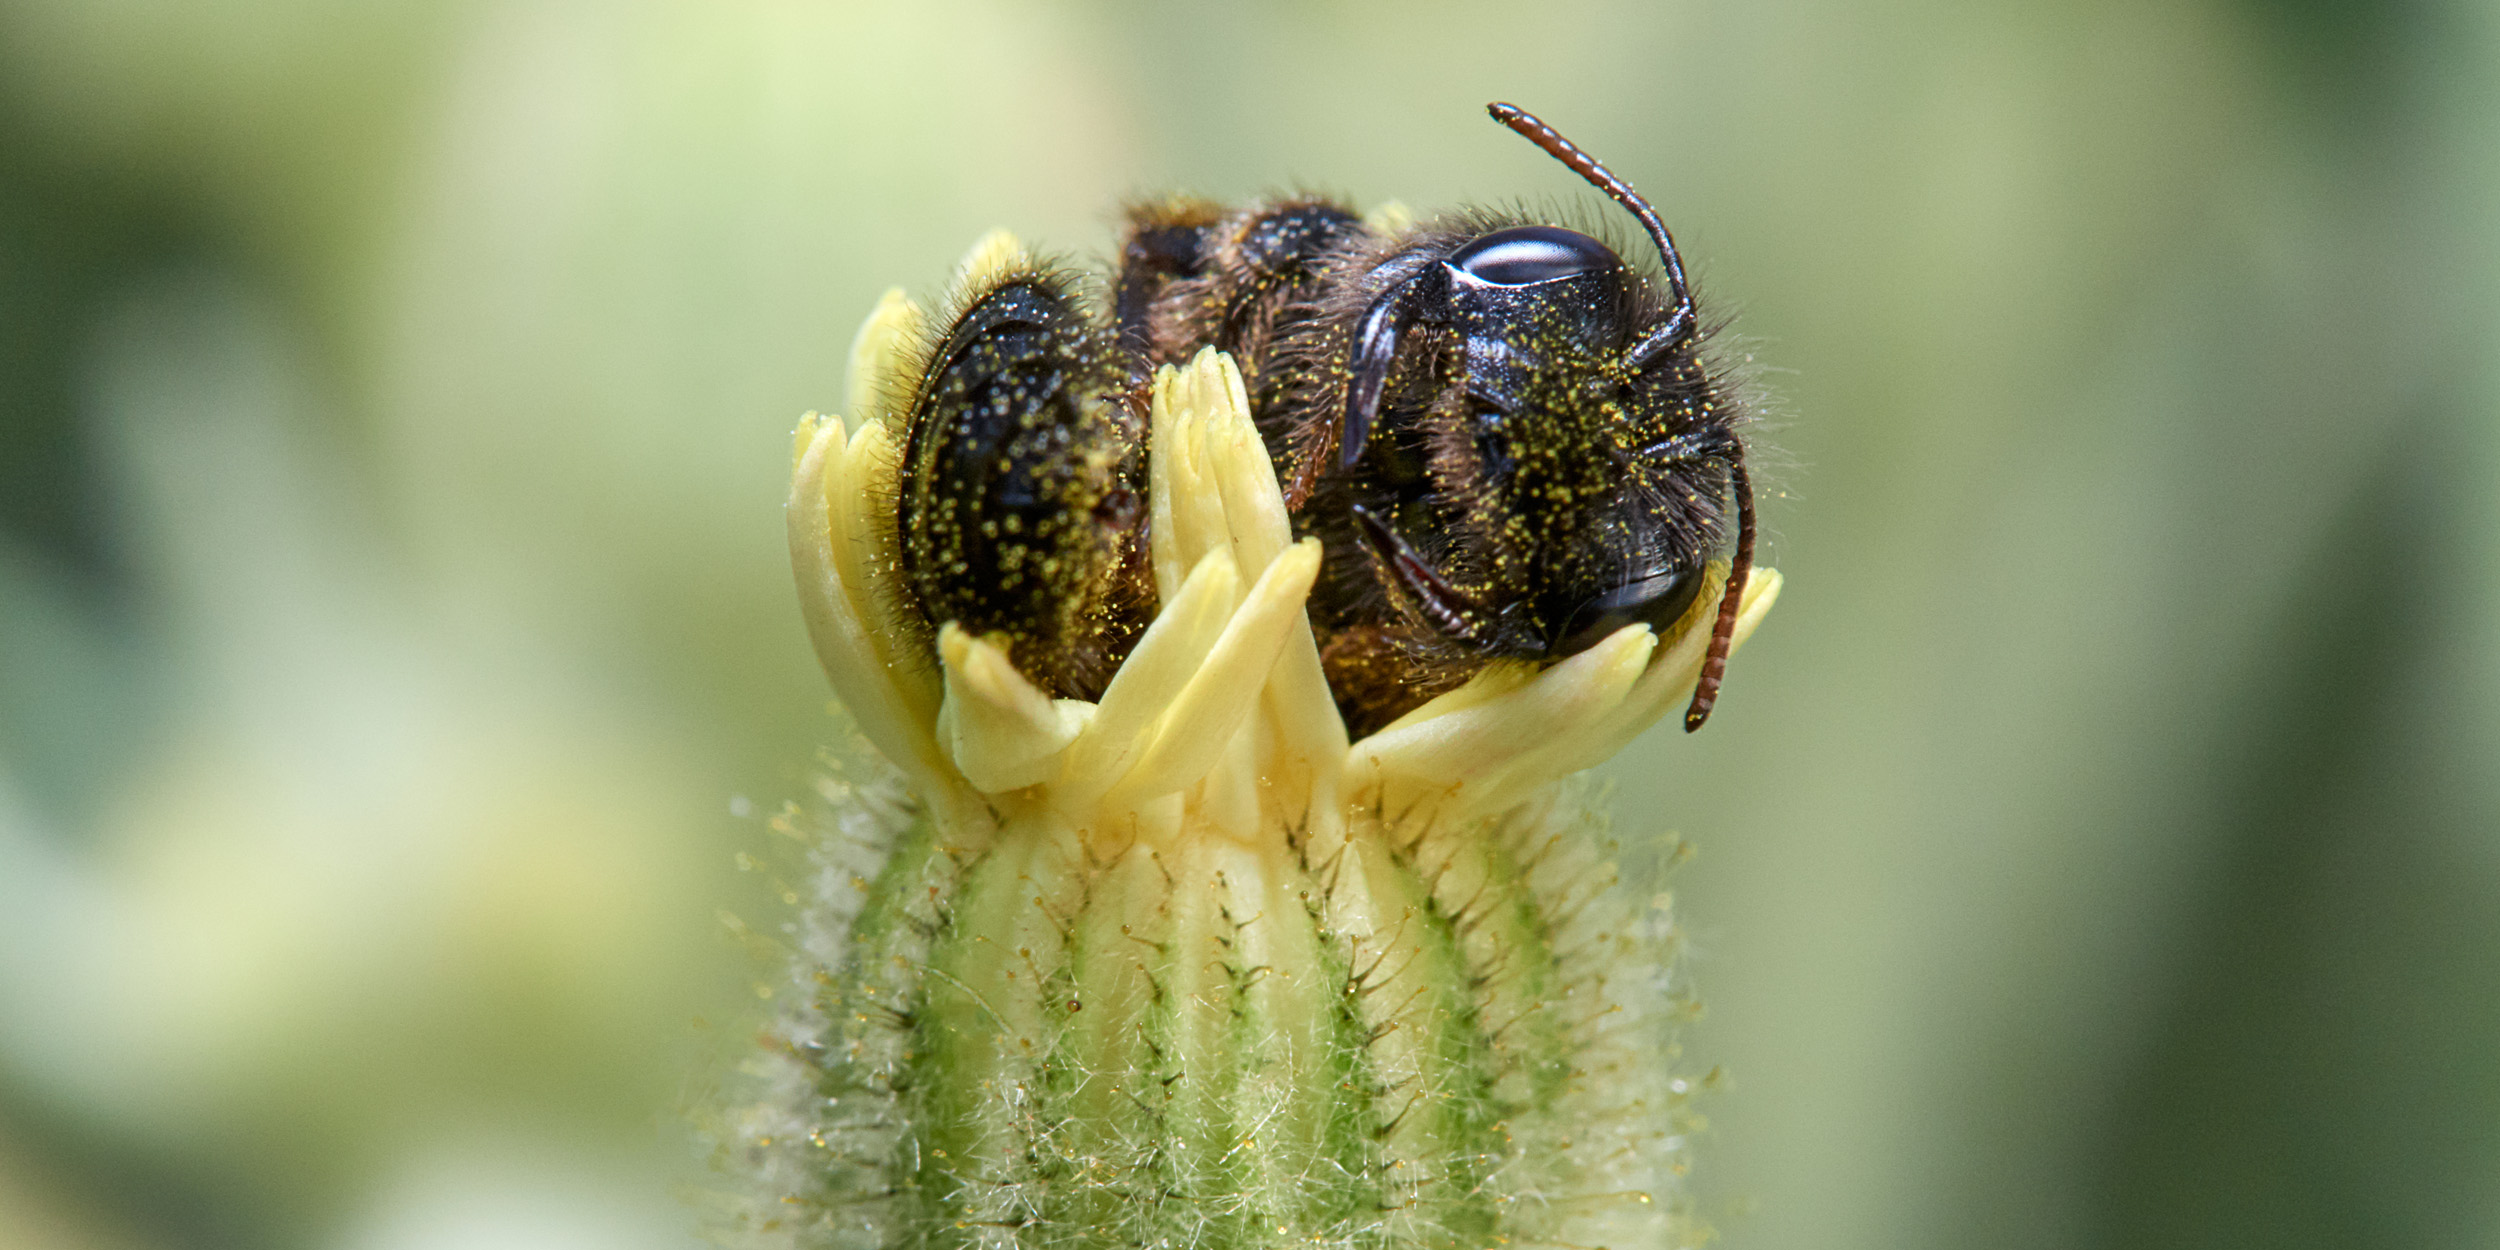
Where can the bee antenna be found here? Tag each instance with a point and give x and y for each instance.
(1679, 324)
(1723, 631)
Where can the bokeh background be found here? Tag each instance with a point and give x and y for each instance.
(2100, 847)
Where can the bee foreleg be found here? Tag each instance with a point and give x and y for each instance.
(1450, 610)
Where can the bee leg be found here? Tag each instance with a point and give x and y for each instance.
(1448, 609)
(1375, 353)
(1022, 501)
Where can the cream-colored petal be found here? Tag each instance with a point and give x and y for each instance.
(1187, 504)
(846, 638)
(1196, 728)
(1169, 417)
(991, 255)
(863, 551)
(1202, 414)
(1173, 649)
(804, 437)
(1490, 682)
(878, 354)
(1001, 730)
(1227, 798)
(1237, 464)
(1302, 709)
(1391, 217)
(1662, 691)
(1447, 752)
(1199, 524)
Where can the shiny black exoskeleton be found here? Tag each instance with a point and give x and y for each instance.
(1021, 507)
(1507, 438)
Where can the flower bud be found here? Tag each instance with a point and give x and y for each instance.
(1185, 967)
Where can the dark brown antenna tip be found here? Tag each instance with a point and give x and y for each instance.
(1533, 128)
(1723, 631)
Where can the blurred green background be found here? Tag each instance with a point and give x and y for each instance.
(2100, 847)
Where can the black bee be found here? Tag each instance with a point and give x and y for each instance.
(1507, 439)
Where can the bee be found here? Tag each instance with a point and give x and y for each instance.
(1509, 440)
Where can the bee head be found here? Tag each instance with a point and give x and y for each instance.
(1581, 455)
(1588, 500)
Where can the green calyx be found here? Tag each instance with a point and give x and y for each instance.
(1406, 1038)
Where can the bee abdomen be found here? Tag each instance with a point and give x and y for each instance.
(1021, 510)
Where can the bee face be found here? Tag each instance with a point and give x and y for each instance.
(1506, 436)
(1520, 483)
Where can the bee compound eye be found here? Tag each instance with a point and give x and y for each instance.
(1528, 255)
(1656, 600)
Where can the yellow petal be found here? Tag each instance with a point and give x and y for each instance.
(990, 256)
(1001, 730)
(1220, 695)
(878, 354)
